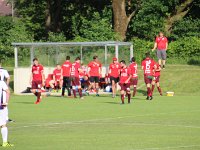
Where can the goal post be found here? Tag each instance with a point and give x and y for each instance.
(52, 53)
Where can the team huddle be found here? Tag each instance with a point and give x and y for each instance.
(70, 76)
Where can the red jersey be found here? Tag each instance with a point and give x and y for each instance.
(161, 43)
(83, 73)
(94, 68)
(148, 66)
(157, 73)
(124, 75)
(66, 69)
(57, 74)
(114, 70)
(37, 72)
(133, 68)
(75, 67)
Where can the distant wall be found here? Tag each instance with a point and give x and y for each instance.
(22, 77)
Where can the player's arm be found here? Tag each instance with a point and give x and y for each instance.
(166, 45)
(43, 77)
(155, 46)
(7, 77)
(6, 89)
(100, 71)
(61, 77)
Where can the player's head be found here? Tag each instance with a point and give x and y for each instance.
(161, 34)
(58, 66)
(35, 61)
(133, 59)
(122, 63)
(77, 59)
(114, 60)
(67, 57)
(95, 58)
(147, 54)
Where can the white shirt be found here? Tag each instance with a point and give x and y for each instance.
(4, 74)
(3, 88)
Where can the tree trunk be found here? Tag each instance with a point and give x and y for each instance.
(181, 11)
(57, 16)
(48, 17)
(121, 20)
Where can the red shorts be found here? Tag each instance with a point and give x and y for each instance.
(36, 84)
(125, 87)
(157, 79)
(134, 81)
(148, 79)
(75, 81)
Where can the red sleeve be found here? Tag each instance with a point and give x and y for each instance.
(54, 72)
(166, 39)
(89, 64)
(41, 68)
(100, 65)
(156, 40)
(110, 66)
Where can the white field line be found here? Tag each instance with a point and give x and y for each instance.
(170, 147)
(108, 119)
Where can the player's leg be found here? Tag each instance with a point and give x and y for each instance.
(153, 85)
(4, 129)
(128, 92)
(97, 85)
(64, 85)
(74, 86)
(113, 86)
(148, 83)
(51, 83)
(158, 85)
(164, 56)
(159, 57)
(38, 90)
(68, 85)
(135, 82)
(122, 92)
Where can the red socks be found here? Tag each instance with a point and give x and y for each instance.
(129, 98)
(160, 91)
(149, 91)
(80, 92)
(134, 91)
(122, 98)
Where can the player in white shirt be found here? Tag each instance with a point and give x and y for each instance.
(4, 98)
(4, 75)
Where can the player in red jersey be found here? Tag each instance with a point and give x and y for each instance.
(134, 80)
(58, 82)
(76, 68)
(124, 81)
(37, 79)
(114, 70)
(148, 67)
(65, 75)
(94, 73)
(156, 79)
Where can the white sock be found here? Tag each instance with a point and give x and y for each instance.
(4, 133)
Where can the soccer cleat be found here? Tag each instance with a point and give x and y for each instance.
(161, 94)
(82, 97)
(7, 144)
(38, 101)
(10, 120)
(163, 67)
(97, 94)
(147, 98)
(151, 97)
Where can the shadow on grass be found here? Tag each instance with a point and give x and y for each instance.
(112, 102)
(194, 62)
(143, 92)
(25, 103)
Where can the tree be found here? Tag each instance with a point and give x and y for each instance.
(123, 11)
(177, 14)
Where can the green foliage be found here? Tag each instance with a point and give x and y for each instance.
(185, 28)
(186, 47)
(94, 29)
(56, 37)
(12, 31)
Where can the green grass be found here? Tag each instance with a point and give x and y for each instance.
(101, 123)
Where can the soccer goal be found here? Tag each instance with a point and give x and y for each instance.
(52, 53)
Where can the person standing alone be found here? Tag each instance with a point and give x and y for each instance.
(161, 43)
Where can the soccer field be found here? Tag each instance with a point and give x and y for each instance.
(101, 123)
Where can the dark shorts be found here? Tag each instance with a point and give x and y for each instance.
(148, 79)
(66, 82)
(125, 87)
(94, 79)
(75, 81)
(161, 54)
(114, 79)
(134, 81)
(36, 84)
(157, 79)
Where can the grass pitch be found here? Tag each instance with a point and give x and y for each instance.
(101, 123)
